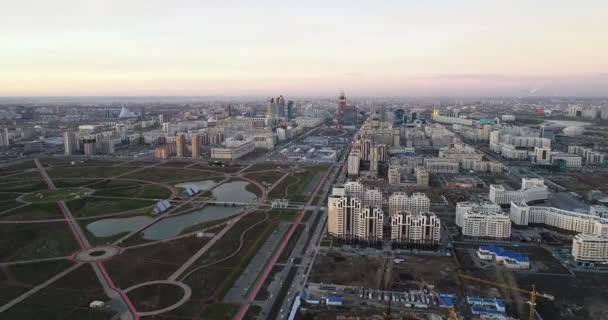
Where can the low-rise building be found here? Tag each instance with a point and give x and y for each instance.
(509, 259)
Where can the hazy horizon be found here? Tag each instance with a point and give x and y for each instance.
(313, 48)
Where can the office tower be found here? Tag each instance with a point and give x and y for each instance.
(280, 107)
(291, 109)
(413, 116)
(196, 146)
(341, 102)
(180, 141)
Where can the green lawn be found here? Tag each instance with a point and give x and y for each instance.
(91, 206)
(136, 190)
(86, 172)
(35, 211)
(284, 215)
(170, 175)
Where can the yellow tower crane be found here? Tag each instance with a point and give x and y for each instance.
(533, 293)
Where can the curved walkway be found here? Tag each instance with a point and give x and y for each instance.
(184, 299)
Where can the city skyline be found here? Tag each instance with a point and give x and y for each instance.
(506, 48)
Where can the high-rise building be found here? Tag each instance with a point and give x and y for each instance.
(372, 198)
(401, 202)
(341, 102)
(343, 215)
(70, 143)
(89, 146)
(4, 138)
(422, 177)
(196, 146)
(366, 149)
(415, 230)
(353, 164)
(394, 175)
(543, 155)
(370, 225)
(180, 141)
(373, 161)
(291, 109)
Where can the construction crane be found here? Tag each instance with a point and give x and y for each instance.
(452, 310)
(533, 293)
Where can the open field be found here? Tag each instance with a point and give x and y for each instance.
(35, 241)
(34, 211)
(68, 298)
(170, 175)
(15, 280)
(353, 270)
(86, 172)
(92, 206)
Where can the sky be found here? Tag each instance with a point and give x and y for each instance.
(298, 48)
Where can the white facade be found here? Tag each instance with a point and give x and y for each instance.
(531, 190)
(400, 202)
(394, 175)
(522, 214)
(590, 248)
(372, 197)
(234, 149)
(423, 228)
(354, 162)
(482, 220)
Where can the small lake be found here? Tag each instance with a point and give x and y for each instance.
(164, 229)
(234, 191)
(173, 226)
(203, 185)
(113, 226)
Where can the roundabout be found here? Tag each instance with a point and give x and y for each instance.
(97, 254)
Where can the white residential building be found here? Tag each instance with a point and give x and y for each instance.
(590, 248)
(522, 214)
(400, 202)
(394, 175)
(415, 229)
(354, 161)
(482, 220)
(373, 198)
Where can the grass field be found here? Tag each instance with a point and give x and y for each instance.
(86, 172)
(211, 283)
(34, 211)
(91, 206)
(36, 241)
(68, 298)
(16, 280)
(170, 175)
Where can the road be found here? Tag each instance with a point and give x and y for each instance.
(258, 285)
